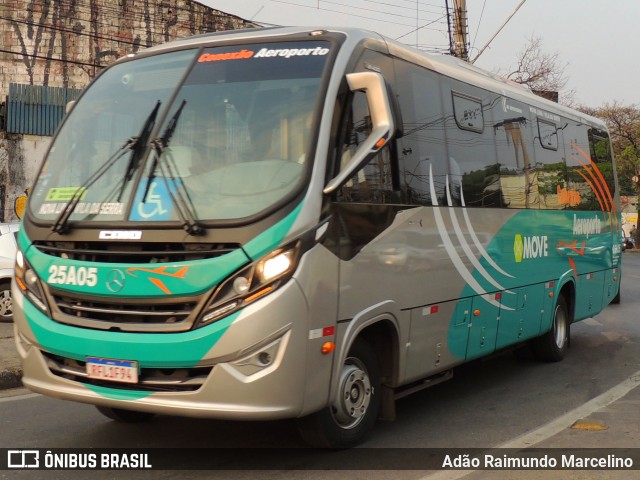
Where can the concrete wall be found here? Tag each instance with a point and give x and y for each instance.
(65, 43)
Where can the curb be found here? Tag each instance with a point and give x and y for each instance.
(10, 377)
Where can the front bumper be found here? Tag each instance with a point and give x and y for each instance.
(238, 384)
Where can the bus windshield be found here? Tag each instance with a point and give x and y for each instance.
(234, 140)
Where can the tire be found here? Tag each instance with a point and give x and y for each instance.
(6, 304)
(353, 413)
(553, 345)
(616, 299)
(125, 416)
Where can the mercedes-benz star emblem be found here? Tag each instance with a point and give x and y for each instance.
(115, 281)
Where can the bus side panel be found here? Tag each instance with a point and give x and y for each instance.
(611, 284)
(432, 332)
(484, 326)
(520, 315)
(317, 276)
(589, 293)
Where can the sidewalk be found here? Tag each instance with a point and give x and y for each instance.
(10, 367)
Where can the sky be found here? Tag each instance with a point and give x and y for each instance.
(597, 39)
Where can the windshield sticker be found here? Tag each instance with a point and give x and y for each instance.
(86, 208)
(64, 194)
(263, 53)
(157, 205)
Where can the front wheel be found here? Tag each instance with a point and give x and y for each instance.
(352, 414)
(6, 304)
(553, 345)
(125, 416)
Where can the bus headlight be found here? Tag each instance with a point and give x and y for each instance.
(28, 282)
(251, 283)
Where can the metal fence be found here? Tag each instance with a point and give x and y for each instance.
(36, 109)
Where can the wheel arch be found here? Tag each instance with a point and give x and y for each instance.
(568, 291)
(379, 327)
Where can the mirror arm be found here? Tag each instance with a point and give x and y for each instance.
(374, 86)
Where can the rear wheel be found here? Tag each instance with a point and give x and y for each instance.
(125, 416)
(353, 412)
(616, 299)
(553, 345)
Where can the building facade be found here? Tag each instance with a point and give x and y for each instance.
(66, 43)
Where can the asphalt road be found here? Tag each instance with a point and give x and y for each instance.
(487, 403)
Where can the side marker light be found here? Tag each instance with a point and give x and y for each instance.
(328, 347)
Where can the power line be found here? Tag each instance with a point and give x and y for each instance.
(484, 4)
(341, 12)
(420, 28)
(80, 34)
(370, 10)
(43, 57)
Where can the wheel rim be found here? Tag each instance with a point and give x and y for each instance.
(560, 327)
(354, 394)
(6, 308)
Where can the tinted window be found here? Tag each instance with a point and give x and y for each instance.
(422, 152)
(550, 170)
(471, 151)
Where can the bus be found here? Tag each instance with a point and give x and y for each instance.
(305, 224)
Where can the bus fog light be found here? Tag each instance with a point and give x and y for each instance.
(30, 278)
(265, 358)
(241, 285)
(262, 360)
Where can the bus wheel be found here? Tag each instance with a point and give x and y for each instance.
(352, 415)
(616, 299)
(125, 416)
(553, 345)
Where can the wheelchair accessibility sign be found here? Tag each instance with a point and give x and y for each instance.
(157, 205)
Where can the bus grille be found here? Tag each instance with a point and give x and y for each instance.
(135, 252)
(123, 314)
(149, 379)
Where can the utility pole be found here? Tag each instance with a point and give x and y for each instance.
(460, 30)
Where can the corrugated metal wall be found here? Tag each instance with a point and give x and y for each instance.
(35, 109)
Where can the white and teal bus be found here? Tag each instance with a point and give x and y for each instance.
(306, 224)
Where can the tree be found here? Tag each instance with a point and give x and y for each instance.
(541, 71)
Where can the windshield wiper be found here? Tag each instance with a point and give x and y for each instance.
(137, 144)
(139, 148)
(180, 195)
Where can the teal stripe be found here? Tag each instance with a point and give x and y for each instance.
(174, 350)
(272, 237)
(118, 394)
(140, 280)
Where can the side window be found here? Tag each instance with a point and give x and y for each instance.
(547, 134)
(468, 112)
(589, 168)
(422, 151)
(551, 171)
(374, 182)
(512, 133)
(474, 172)
(600, 149)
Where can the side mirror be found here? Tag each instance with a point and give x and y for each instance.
(374, 86)
(69, 106)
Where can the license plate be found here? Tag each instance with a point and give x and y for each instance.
(125, 371)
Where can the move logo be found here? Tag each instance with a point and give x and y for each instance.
(535, 246)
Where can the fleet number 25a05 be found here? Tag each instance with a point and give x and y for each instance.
(70, 275)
